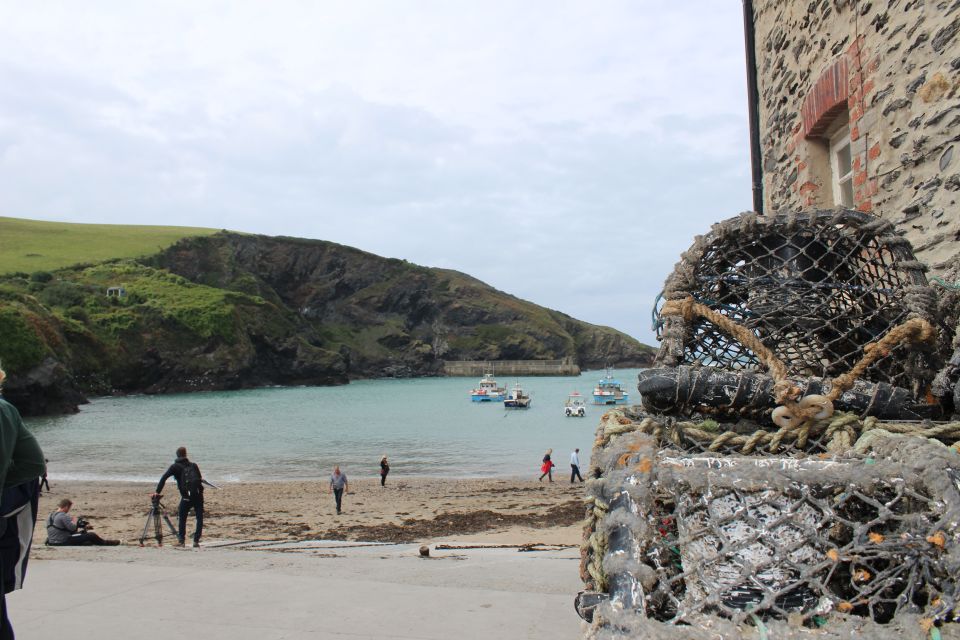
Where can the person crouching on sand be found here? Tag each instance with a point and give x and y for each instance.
(338, 486)
(384, 470)
(547, 467)
(66, 530)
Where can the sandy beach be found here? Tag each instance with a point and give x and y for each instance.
(278, 563)
(423, 510)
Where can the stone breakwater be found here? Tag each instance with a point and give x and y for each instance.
(511, 368)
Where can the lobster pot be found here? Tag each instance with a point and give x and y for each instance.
(682, 543)
(815, 287)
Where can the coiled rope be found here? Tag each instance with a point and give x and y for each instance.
(795, 413)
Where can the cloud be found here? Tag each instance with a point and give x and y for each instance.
(563, 152)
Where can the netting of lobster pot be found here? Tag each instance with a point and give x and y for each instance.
(703, 546)
(815, 288)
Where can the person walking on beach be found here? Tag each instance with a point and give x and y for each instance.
(339, 486)
(190, 484)
(65, 530)
(575, 465)
(21, 465)
(547, 467)
(43, 476)
(384, 470)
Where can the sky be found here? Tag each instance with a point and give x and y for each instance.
(563, 152)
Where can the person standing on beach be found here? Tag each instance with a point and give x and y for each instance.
(339, 486)
(384, 470)
(575, 465)
(547, 467)
(43, 476)
(21, 465)
(190, 484)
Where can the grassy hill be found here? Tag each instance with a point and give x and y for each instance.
(27, 246)
(220, 310)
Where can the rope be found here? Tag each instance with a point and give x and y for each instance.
(689, 309)
(798, 416)
(946, 285)
(913, 331)
(842, 431)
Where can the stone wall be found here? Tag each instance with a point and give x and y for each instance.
(474, 368)
(892, 67)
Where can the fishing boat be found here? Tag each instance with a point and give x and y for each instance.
(487, 390)
(575, 406)
(610, 391)
(517, 398)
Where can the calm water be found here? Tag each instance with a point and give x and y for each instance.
(426, 426)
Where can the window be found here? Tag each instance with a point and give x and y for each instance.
(841, 166)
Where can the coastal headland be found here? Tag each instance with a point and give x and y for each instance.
(235, 311)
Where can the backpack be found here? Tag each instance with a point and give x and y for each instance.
(190, 482)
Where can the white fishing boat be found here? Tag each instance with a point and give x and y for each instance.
(517, 398)
(575, 406)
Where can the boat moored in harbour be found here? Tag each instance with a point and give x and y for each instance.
(487, 390)
(609, 391)
(575, 406)
(517, 398)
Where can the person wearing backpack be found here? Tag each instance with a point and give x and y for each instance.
(190, 484)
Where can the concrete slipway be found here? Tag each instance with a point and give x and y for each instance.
(307, 591)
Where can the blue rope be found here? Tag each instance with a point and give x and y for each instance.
(760, 626)
(656, 322)
(943, 283)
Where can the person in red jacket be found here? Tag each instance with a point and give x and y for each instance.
(547, 467)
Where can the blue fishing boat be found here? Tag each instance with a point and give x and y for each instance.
(488, 390)
(610, 391)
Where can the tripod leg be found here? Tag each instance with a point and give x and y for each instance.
(173, 529)
(157, 530)
(146, 525)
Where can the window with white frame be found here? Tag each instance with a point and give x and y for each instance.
(841, 166)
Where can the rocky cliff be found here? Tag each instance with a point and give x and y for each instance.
(234, 311)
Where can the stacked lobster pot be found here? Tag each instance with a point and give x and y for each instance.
(789, 473)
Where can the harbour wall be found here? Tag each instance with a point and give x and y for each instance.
(475, 368)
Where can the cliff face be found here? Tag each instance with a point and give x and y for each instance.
(233, 311)
(390, 317)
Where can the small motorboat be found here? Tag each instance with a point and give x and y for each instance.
(575, 406)
(517, 398)
(488, 391)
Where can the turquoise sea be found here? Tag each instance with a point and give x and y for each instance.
(426, 426)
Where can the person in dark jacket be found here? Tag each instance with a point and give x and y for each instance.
(21, 465)
(384, 470)
(190, 484)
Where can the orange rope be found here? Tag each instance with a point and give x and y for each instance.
(913, 331)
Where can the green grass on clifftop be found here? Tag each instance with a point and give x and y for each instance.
(29, 246)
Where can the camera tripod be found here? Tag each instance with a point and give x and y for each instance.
(157, 511)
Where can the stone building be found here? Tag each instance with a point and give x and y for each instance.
(857, 104)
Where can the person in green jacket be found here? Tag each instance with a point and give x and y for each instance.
(21, 465)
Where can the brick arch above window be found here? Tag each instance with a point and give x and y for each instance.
(826, 100)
